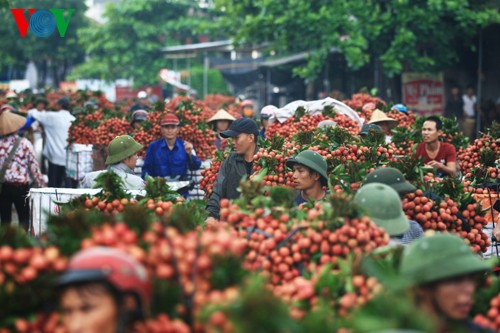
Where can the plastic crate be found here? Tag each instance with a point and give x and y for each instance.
(79, 161)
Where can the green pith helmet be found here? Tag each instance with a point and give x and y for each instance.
(392, 177)
(370, 127)
(383, 205)
(312, 160)
(120, 148)
(439, 257)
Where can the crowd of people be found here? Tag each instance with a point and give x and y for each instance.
(104, 289)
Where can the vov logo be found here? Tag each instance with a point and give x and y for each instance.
(42, 23)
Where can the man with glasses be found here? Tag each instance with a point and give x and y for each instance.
(122, 157)
(170, 157)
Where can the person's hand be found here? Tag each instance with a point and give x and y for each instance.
(435, 164)
(189, 147)
(211, 220)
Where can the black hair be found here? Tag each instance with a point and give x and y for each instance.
(437, 121)
(126, 318)
(64, 103)
(323, 181)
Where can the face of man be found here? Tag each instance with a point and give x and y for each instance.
(430, 133)
(131, 161)
(386, 126)
(265, 122)
(222, 125)
(170, 132)
(243, 143)
(304, 178)
(40, 106)
(455, 91)
(89, 309)
(454, 297)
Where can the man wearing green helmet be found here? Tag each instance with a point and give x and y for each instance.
(122, 157)
(382, 204)
(395, 179)
(443, 273)
(309, 176)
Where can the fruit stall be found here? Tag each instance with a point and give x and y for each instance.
(267, 265)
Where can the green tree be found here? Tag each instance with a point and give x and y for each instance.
(421, 34)
(129, 44)
(54, 55)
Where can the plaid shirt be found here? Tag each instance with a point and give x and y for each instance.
(413, 233)
(23, 165)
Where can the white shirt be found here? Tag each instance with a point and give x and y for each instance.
(56, 125)
(469, 105)
(130, 181)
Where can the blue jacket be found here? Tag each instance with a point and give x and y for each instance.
(160, 161)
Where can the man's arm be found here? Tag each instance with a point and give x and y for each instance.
(147, 168)
(213, 204)
(450, 167)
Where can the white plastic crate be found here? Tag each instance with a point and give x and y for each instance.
(79, 161)
(44, 202)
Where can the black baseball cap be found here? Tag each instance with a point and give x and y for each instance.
(242, 125)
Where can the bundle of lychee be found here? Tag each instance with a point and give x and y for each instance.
(483, 154)
(358, 101)
(46, 323)
(285, 242)
(302, 122)
(441, 214)
(25, 274)
(210, 174)
(492, 318)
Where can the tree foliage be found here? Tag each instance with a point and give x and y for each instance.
(420, 34)
(53, 55)
(129, 44)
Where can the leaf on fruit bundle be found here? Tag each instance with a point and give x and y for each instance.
(340, 205)
(157, 188)
(277, 142)
(112, 186)
(14, 236)
(184, 218)
(299, 113)
(329, 111)
(255, 310)
(282, 196)
(304, 138)
(66, 231)
(487, 157)
(227, 271)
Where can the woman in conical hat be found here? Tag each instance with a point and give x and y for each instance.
(386, 123)
(21, 170)
(220, 122)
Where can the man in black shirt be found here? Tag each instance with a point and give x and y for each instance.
(454, 105)
(244, 133)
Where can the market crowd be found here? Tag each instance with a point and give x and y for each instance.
(441, 269)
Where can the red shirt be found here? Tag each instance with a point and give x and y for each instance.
(447, 153)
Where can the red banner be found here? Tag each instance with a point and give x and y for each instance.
(423, 93)
(68, 86)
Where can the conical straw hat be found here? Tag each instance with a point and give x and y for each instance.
(221, 115)
(10, 122)
(380, 116)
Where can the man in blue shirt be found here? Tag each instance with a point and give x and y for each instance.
(170, 156)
